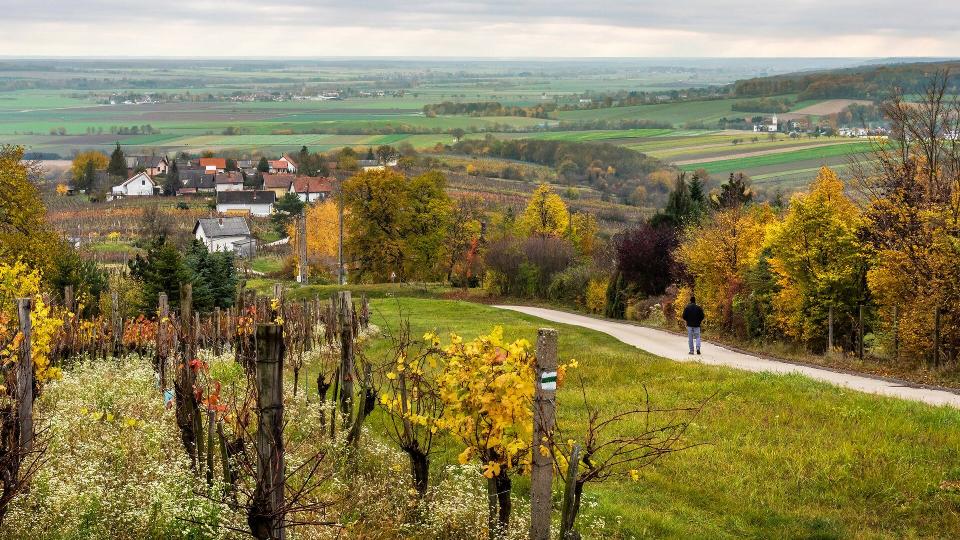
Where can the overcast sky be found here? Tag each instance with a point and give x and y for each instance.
(498, 28)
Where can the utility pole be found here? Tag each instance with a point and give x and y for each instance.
(304, 268)
(340, 276)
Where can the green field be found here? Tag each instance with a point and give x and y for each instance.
(786, 158)
(782, 456)
(674, 113)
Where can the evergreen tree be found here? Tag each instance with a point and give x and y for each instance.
(679, 204)
(118, 163)
(697, 195)
(284, 210)
(263, 165)
(370, 155)
(89, 177)
(162, 270)
(172, 182)
(197, 261)
(735, 193)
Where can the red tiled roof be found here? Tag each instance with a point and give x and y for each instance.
(220, 163)
(275, 181)
(306, 184)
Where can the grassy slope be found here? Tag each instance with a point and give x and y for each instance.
(785, 457)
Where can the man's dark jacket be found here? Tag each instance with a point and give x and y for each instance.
(693, 315)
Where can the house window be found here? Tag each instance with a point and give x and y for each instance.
(143, 182)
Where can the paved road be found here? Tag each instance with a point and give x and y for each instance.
(674, 347)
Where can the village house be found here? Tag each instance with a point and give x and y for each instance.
(767, 126)
(311, 189)
(278, 183)
(255, 203)
(213, 165)
(285, 164)
(196, 181)
(370, 165)
(231, 181)
(152, 165)
(138, 185)
(226, 234)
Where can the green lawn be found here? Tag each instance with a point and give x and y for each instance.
(782, 456)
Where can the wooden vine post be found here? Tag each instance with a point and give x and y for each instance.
(186, 404)
(115, 324)
(544, 416)
(25, 380)
(266, 514)
(163, 314)
(345, 324)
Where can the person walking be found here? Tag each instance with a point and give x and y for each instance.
(693, 316)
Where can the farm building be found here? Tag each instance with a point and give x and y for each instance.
(138, 185)
(256, 203)
(225, 234)
(278, 183)
(312, 189)
(231, 181)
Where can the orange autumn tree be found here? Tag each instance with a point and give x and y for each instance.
(912, 185)
(322, 234)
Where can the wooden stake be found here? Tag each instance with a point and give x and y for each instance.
(68, 298)
(25, 379)
(269, 493)
(544, 410)
(345, 323)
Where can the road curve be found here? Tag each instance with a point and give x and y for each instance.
(674, 347)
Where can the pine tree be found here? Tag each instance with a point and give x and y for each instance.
(118, 163)
(735, 193)
(263, 165)
(680, 204)
(89, 177)
(171, 184)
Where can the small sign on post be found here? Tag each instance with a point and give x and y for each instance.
(544, 411)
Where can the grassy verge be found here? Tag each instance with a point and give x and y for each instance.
(784, 457)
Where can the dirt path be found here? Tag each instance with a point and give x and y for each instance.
(674, 347)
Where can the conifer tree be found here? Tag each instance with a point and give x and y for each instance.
(118, 163)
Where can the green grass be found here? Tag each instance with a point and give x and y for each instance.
(782, 456)
(267, 264)
(111, 246)
(676, 113)
(822, 152)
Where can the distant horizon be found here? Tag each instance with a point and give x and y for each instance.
(487, 29)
